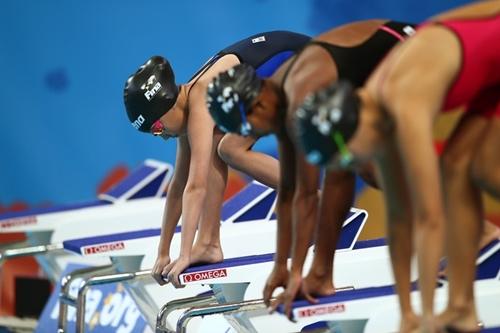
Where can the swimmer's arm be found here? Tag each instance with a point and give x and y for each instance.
(200, 128)
(336, 200)
(173, 204)
(413, 111)
(303, 79)
(305, 203)
(200, 131)
(286, 190)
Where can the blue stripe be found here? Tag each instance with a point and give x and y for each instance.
(52, 209)
(240, 199)
(260, 210)
(131, 180)
(350, 295)
(270, 66)
(233, 262)
(488, 247)
(206, 293)
(489, 268)
(349, 232)
(320, 325)
(151, 188)
(75, 245)
(370, 243)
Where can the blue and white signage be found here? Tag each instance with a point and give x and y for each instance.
(109, 308)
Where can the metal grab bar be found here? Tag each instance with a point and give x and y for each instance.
(225, 309)
(97, 280)
(228, 308)
(29, 251)
(65, 299)
(189, 302)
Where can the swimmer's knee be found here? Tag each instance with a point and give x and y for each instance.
(485, 174)
(455, 163)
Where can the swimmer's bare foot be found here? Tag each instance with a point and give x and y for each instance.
(409, 323)
(460, 320)
(427, 324)
(206, 254)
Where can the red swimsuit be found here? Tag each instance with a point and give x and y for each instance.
(477, 85)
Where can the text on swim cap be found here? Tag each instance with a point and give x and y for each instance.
(149, 94)
(258, 39)
(138, 122)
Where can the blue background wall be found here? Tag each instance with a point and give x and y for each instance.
(63, 65)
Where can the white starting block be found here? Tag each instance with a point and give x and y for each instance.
(255, 241)
(366, 309)
(134, 203)
(246, 229)
(356, 309)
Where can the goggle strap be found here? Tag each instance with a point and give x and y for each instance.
(345, 154)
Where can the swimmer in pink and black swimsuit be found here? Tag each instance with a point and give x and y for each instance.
(452, 61)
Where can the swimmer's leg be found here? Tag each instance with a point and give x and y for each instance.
(399, 227)
(464, 212)
(486, 164)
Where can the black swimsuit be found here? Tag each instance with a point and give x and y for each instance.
(356, 63)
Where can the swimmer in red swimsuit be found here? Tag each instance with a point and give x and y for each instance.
(452, 61)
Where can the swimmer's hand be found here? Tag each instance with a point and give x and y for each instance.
(294, 289)
(172, 271)
(277, 278)
(160, 263)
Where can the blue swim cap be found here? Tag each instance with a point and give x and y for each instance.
(326, 121)
(229, 97)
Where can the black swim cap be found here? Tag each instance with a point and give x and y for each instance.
(230, 95)
(150, 93)
(326, 121)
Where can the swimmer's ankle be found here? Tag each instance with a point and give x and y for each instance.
(321, 271)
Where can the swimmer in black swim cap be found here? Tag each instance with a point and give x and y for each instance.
(156, 104)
